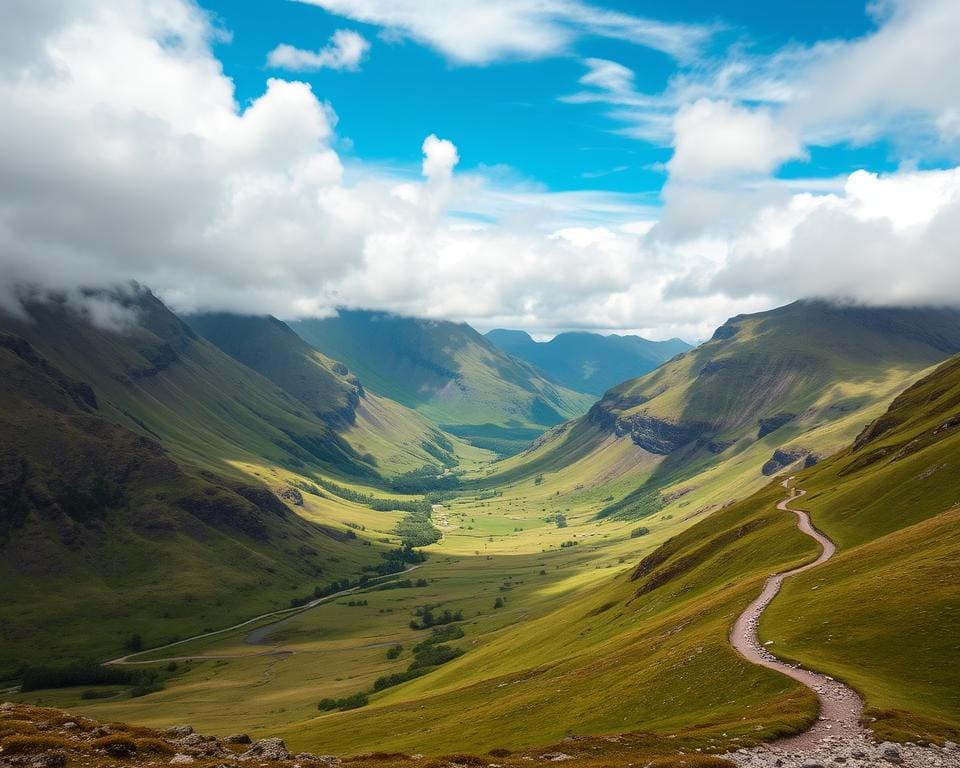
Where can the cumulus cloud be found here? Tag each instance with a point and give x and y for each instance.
(883, 240)
(345, 51)
(439, 157)
(717, 138)
(478, 31)
(152, 171)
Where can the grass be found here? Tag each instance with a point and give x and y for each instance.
(884, 614)
(600, 639)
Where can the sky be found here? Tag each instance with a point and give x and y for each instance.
(549, 165)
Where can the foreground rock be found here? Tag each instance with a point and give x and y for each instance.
(849, 752)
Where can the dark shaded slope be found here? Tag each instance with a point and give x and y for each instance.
(104, 534)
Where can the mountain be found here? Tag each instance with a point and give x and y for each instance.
(149, 485)
(648, 650)
(588, 362)
(449, 373)
(768, 391)
(395, 438)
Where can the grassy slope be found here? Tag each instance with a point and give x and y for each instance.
(448, 372)
(588, 362)
(180, 427)
(395, 439)
(885, 613)
(834, 369)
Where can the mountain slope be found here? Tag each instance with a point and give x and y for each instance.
(395, 438)
(588, 362)
(449, 373)
(140, 469)
(769, 391)
(104, 535)
(649, 649)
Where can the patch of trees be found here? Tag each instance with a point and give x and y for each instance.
(416, 529)
(374, 503)
(427, 656)
(323, 591)
(83, 673)
(430, 619)
(637, 532)
(353, 701)
(424, 480)
(402, 584)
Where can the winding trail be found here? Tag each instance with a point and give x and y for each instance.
(840, 706)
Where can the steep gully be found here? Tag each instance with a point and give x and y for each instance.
(840, 706)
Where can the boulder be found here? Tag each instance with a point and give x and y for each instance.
(238, 738)
(179, 731)
(267, 749)
(181, 759)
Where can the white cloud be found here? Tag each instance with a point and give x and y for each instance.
(345, 51)
(479, 31)
(439, 157)
(152, 171)
(884, 240)
(717, 138)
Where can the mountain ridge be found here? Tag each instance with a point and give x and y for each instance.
(589, 362)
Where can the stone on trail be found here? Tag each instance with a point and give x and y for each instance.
(891, 754)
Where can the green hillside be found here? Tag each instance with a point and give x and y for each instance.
(768, 392)
(646, 650)
(578, 624)
(394, 438)
(449, 373)
(884, 615)
(141, 476)
(588, 362)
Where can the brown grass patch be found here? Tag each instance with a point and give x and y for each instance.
(14, 727)
(155, 746)
(27, 743)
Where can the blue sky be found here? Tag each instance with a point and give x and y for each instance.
(539, 164)
(509, 112)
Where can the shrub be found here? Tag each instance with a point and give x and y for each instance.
(434, 656)
(155, 746)
(115, 746)
(353, 701)
(637, 532)
(21, 744)
(134, 643)
(498, 603)
(395, 651)
(440, 635)
(142, 690)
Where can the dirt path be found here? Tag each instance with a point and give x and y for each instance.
(840, 706)
(284, 614)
